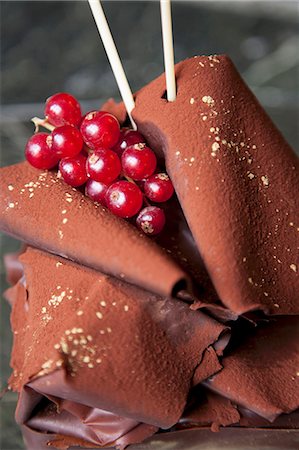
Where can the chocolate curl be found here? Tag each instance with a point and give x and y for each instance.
(236, 179)
(39, 208)
(106, 344)
(262, 373)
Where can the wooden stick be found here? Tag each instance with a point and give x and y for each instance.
(113, 56)
(168, 49)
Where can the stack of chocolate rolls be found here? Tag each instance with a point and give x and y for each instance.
(118, 336)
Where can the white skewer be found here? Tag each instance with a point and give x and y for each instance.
(168, 49)
(113, 57)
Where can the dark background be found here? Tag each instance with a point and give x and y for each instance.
(52, 46)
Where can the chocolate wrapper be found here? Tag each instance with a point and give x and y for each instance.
(94, 340)
(236, 178)
(39, 208)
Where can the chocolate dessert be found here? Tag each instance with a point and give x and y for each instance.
(175, 315)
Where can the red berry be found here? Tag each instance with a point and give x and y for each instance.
(39, 152)
(62, 109)
(138, 162)
(127, 138)
(158, 187)
(100, 129)
(96, 191)
(151, 220)
(73, 170)
(124, 199)
(103, 165)
(67, 141)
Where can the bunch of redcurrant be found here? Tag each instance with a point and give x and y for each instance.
(115, 165)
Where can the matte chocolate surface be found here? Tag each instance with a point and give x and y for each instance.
(42, 210)
(236, 178)
(262, 373)
(103, 343)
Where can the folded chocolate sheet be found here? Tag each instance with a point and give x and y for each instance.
(261, 374)
(236, 178)
(95, 341)
(40, 209)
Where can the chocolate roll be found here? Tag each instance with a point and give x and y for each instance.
(42, 210)
(93, 340)
(236, 178)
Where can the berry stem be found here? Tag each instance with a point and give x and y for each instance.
(41, 123)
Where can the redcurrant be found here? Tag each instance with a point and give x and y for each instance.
(127, 138)
(103, 165)
(151, 220)
(138, 161)
(73, 170)
(124, 199)
(158, 187)
(67, 141)
(39, 152)
(96, 191)
(61, 109)
(100, 129)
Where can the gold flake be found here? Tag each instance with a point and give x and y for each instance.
(163, 176)
(208, 100)
(215, 147)
(265, 180)
(47, 364)
(64, 347)
(99, 315)
(293, 267)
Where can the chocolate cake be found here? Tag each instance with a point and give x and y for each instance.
(118, 336)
